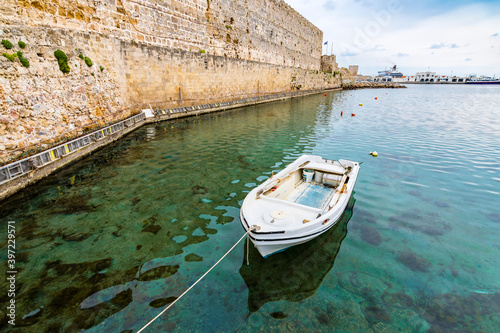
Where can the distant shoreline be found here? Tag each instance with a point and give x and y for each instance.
(369, 85)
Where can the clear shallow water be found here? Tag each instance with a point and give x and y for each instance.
(107, 243)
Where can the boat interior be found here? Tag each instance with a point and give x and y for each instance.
(316, 192)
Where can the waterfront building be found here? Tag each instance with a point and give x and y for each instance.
(426, 77)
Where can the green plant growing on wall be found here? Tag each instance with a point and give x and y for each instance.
(25, 62)
(7, 44)
(202, 51)
(101, 68)
(11, 57)
(62, 60)
(21, 44)
(229, 27)
(88, 62)
(80, 56)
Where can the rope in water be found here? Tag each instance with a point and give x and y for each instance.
(194, 284)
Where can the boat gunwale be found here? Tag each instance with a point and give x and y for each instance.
(274, 241)
(294, 167)
(309, 224)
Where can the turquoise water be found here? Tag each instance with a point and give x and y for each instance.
(109, 242)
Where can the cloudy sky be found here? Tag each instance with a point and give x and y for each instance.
(459, 36)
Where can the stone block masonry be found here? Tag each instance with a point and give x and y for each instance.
(40, 104)
(267, 31)
(161, 53)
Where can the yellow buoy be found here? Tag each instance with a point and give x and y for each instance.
(374, 153)
(360, 104)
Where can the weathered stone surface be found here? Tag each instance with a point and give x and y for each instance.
(159, 53)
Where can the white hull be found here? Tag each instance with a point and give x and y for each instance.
(285, 211)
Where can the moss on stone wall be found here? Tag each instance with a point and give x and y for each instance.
(7, 44)
(62, 60)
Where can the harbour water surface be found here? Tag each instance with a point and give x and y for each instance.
(107, 243)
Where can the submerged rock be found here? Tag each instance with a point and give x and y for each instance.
(453, 312)
(193, 257)
(87, 318)
(371, 235)
(323, 319)
(77, 268)
(76, 237)
(72, 204)
(161, 272)
(414, 262)
(153, 228)
(197, 189)
(494, 217)
(161, 302)
(397, 300)
(278, 315)
(375, 314)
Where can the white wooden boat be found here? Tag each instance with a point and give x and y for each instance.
(299, 203)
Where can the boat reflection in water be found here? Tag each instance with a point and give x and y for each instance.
(297, 273)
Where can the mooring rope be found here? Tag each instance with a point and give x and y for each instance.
(194, 284)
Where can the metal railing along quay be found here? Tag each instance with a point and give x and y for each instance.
(160, 112)
(16, 169)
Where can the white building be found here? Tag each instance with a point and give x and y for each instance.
(429, 77)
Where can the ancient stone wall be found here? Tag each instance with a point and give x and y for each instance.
(329, 63)
(159, 53)
(267, 31)
(40, 104)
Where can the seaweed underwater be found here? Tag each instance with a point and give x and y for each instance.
(452, 311)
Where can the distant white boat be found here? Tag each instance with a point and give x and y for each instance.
(299, 203)
(482, 80)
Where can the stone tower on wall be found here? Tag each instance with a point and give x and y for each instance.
(329, 63)
(353, 69)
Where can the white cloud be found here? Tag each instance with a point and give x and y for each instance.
(437, 46)
(375, 35)
(329, 5)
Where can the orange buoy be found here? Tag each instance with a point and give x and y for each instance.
(353, 114)
(341, 113)
(376, 98)
(325, 95)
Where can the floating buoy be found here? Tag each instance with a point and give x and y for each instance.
(376, 98)
(360, 104)
(341, 113)
(373, 153)
(324, 95)
(353, 114)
